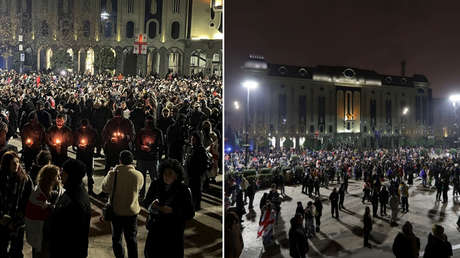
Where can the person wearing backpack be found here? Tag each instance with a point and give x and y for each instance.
(170, 206)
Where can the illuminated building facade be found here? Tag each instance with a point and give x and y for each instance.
(183, 36)
(300, 102)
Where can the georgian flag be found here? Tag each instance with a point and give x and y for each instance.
(267, 223)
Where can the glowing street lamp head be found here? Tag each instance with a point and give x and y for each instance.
(105, 15)
(250, 85)
(454, 98)
(405, 111)
(236, 104)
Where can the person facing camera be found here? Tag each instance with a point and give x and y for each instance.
(170, 206)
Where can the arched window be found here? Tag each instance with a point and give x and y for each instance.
(217, 64)
(152, 33)
(175, 28)
(197, 61)
(86, 28)
(130, 30)
(174, 62)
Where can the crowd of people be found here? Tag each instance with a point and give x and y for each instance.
(166, 128)
(386, 175)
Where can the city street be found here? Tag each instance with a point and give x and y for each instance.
(203, 234)
(343, 238)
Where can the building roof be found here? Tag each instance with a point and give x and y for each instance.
(335, 73)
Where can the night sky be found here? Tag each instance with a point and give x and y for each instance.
(373, 35)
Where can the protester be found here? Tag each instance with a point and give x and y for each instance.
(319, 212)
(394, 205)
(334, 198)
(298, 241)
(233, 239)
(149, 140)
(383, 201)
(437, 245)
(39, 207)
(15, 189)
(367, 221)
(406, 243)
(72, 214)
(196, 168)
(309, 220)
(125, 204)
(171, 205)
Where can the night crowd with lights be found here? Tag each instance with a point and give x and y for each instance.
(386, 175)
(167, 130)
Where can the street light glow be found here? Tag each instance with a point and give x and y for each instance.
(405, 111)
(250, 85)
(105, 15)
(454, 98)
(236, 104)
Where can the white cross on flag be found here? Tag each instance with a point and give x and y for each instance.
(140, 45)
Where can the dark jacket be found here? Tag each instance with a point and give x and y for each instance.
(298, 242)
(167, 237)
(35, 132)
(406, 246)
(153, 138)
(89, 134)
(122, 125)
(196, 164)
(69, 224)
(334, 197)
(367, 220)
(437, 247)
(384, 196)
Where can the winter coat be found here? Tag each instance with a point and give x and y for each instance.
(298, 242)
(406, 246)
(437, 247)
(69, 224)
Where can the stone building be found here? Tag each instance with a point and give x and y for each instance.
(183, 36)
(319, 102)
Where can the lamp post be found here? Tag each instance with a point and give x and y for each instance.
(249, 85)
(455, 100)
(405, 111)
(21, 52)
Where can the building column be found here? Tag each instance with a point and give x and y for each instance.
(164, 61)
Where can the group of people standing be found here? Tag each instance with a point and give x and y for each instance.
(167, 128)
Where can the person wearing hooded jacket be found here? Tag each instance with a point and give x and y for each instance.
(406, 243)
(70, 220)
(298, 241)
(437, 245)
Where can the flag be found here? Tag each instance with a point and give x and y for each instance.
(38, 80)
(267, 223)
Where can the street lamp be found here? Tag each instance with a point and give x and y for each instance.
(105, 15)
(405, 111)
(236, 104)
(455, 100)
(249, 85)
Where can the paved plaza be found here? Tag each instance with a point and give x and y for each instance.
(343, 238)
(203, 234)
